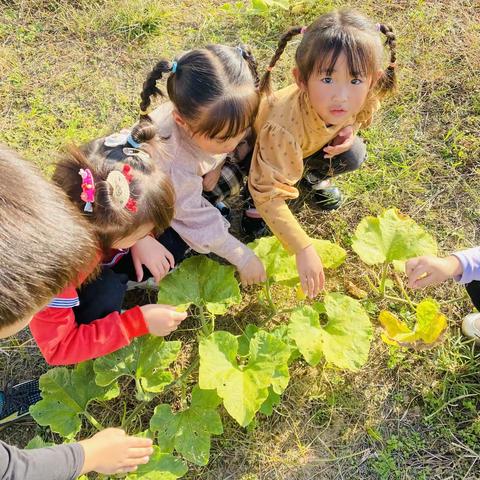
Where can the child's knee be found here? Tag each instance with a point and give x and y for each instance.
(353, 158)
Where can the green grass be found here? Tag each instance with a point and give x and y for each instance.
(72, 71)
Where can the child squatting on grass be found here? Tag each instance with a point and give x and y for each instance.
(309, 128)
(44, 245)
(124, 197)
(213, 101)
(462, 266)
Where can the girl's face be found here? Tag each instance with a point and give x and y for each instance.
(214, 146)
(133, 238)
(336, 97)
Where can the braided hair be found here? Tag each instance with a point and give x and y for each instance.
(343, 31)
(214, 89)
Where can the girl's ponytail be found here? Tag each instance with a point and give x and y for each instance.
(265, 82)
(145, 129)
(388, 81)
(251, 61)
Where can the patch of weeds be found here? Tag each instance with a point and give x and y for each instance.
(134, 21)
(393, 459)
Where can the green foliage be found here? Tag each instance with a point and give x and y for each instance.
(262, 6)
(203, 282)
(38, 442)
(162, 466)
(429, 326)
(280, 265)
(189, 431)
(65, 397)
(243, 387)
(146, 360)
(389, 237)
(345, 339)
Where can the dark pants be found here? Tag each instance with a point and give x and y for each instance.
(105, 294)
(473, 290)
(323, 168)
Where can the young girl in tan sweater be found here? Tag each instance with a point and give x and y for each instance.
(312, 124)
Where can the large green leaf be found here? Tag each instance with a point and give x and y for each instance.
(243, 388)
(391, 237)
(66, 394)
(202, 282)
(162, 466)
(429, 326)
(38, 442)
(281, 266)
(189, 431)
(146, 359)
(345, 339)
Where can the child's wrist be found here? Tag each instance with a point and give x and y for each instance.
(455, 267)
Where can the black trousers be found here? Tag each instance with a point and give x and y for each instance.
(324, 168)
(473, 290)
(105, 294)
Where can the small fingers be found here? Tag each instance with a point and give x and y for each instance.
(135, 453)
(138, 442)
(424, 282)
(170, 258)
(156, 272)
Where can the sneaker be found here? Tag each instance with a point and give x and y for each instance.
(253, 227)
(224, 210)
(16, 400)
(148, 284)
(328, 198)
(471, 326)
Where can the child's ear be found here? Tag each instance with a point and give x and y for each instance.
(179, 119)
(298, 79)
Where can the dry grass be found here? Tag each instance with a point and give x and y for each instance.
(72, 71)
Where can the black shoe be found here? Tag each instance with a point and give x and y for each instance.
(252, 227)
(16, 400)
(328, 198)
(224, 210)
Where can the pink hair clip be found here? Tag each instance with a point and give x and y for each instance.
(88, 189)
(303, 30)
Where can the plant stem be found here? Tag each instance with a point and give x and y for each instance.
(404, 292)
(203, 321)
(381, 288)
(399, 299)
(135, 411)
(93, 421)
(371, 285)
(268, 296)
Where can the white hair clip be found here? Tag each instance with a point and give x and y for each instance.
(115, 140)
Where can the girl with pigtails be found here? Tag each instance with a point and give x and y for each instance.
(123, 197)
(213, 101)
(309, 129)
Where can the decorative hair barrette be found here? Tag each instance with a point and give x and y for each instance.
(119, 181)
(88, 189)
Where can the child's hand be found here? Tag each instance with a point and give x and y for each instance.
(162, 319)
(112, 451)
(150, 252)
(341, 143)
(310, 271)
(425, 271)
(253, 272)
(210, 179)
